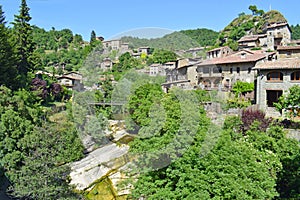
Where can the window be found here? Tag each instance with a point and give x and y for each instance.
(275, 76)
(206, 70)
(216, 70)
(249, 70)
(238, 70)
(295, 76)
(231, 70)
(220, 69)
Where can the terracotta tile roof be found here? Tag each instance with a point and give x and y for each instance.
(280, 48)
(288, 63)
(236, 58)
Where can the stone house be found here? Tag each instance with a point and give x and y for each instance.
(71, 80)
(253, 41)
(145, 50)
(157, 70)
(219, 52)
(222, 73)
(106, 64)
(288, 51)
(276, 34)
(113, 44)
(274, 79)
(183, 75)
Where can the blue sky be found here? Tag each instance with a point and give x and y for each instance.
(109, 18)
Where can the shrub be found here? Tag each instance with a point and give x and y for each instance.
(250, 115)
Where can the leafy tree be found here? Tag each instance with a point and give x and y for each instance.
(78, 39)
(242, 87)
(141, 101)
(163, 56)
(260, 12)
(232, 170)
(126, 62)
(253, 9)
(43, 174)
(8, 70)
(290, 101)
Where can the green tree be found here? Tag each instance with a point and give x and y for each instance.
(141, 101)
(290, 101)
(232, 170)
(8, 70)
(295, 31)
(44, 174)
(163, 56)
(253, 9)
(26, 61)
(93, 37)
(242, 87)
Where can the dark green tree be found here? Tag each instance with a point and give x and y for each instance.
(93, 37)
(253, 9)
(8, 71)
(26, 60)
(44, 174)
(295, 32)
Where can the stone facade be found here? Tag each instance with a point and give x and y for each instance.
(183, 75)
(274, 79)
(222, 73)
(277, 34)
(219, 52)
(288, 51)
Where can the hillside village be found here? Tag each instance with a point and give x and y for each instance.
(196, 114)
(269, 60)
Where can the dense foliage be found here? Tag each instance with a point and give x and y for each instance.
(34, 151)
(295, 31)
(240, 87)
(184, 39)
(290, 102)
(259, 164)
(61, 49)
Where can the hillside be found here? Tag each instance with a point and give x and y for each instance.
(247, 24)
(182, 40)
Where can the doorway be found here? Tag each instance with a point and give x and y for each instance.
(273, 97)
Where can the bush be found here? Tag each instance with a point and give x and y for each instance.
(249, 116)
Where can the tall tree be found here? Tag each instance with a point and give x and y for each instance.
(24, 42)
(93, 37)
(7, 66)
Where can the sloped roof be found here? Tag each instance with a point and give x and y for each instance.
(280, 48)
(288, 63)
(275, 25)
(249, 56)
